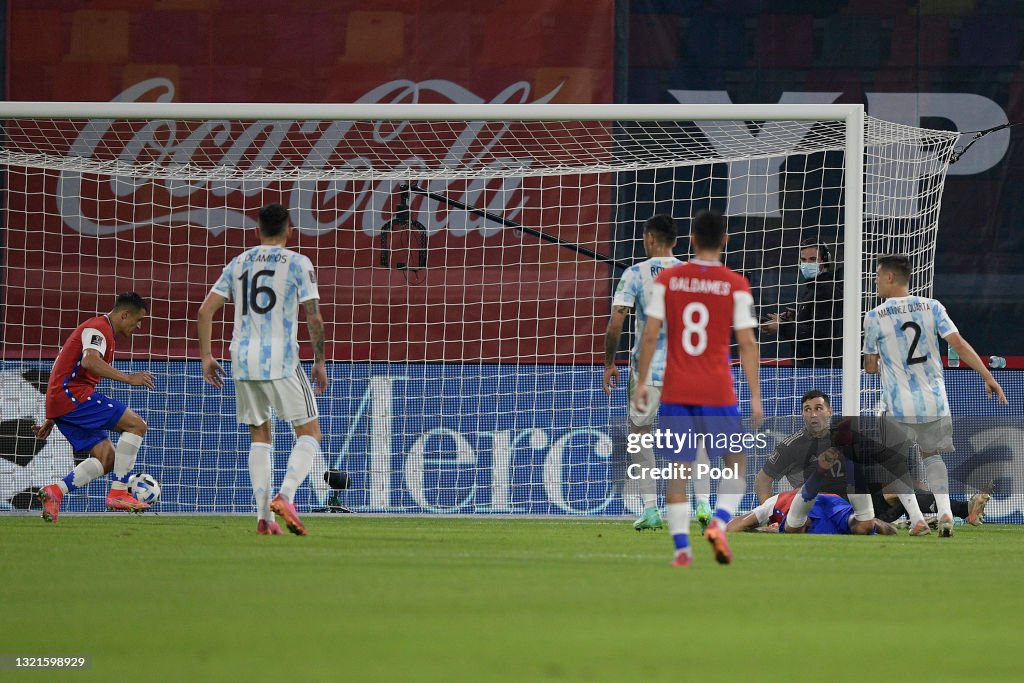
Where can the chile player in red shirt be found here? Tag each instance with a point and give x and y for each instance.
(702, 301)
(83, 415)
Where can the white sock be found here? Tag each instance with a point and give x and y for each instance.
(678, 517)
(730, 493)
(84, 473)
(260, 468)
(938, 481)
(648, 485)
(910, 504)
(125, 452)
(299, 462)
(702, 485)
(863, 508)
(798, 511)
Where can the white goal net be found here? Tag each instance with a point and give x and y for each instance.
(466, 259)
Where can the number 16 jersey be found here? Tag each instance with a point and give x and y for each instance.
(700, 302)
(266, 284)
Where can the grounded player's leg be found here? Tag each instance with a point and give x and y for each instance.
(796, 518)
(702, 492)
(677, 514)
(863, 513)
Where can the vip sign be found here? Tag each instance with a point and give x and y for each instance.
(754, 185)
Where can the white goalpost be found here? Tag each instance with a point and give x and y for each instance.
(466, 257)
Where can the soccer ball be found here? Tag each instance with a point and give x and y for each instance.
(144, 488)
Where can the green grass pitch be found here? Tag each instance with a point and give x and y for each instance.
(366, 598)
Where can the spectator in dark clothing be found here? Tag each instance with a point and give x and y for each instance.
(815, 324)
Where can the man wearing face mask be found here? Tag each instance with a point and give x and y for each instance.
(815, 324)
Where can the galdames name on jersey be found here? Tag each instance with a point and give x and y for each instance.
(700, 285)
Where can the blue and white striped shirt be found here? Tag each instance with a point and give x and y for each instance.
(266, 284)
(634, 291)
(904, 332)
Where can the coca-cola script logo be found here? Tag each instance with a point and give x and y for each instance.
(261, 161)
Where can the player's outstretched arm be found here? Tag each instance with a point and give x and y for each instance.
(611, 345)
(747, 522)
(971, 357)
(93, 362)
(213, 373)
(315, 322)
(883, 528)
(750, 359)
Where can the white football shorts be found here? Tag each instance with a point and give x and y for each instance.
(291, 398)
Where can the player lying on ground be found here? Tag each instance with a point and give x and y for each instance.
(797, 457)
(632, 295)
(830, 514)
(84, 415)
(889, 508)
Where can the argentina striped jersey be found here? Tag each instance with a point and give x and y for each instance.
(634, 291)
(266, 284)
(904, 332)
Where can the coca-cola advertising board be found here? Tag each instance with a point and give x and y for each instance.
(72, 239)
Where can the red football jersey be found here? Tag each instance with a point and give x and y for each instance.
(781, 507)
(69, 384)
(703, 302)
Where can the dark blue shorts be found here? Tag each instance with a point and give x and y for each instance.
(691, 422)
(87, 425)
(830, 515)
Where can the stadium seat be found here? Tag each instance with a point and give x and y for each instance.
(953, 7)
(920, 41)
(851, 42)
(100, 36)
(784, 41)
(716, 41)
(990, 41)
(375, 38)
(35, 37)
(145, 25)
(653, 41)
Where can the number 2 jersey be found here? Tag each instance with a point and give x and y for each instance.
(266, 284)
(904, 332)
(700, 302)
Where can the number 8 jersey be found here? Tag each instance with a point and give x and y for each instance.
(266, 284)
(700, 302)
(904, 332)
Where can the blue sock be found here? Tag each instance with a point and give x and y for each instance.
(723, 517)
(811, 487)
(69, 481)
(682, 541)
